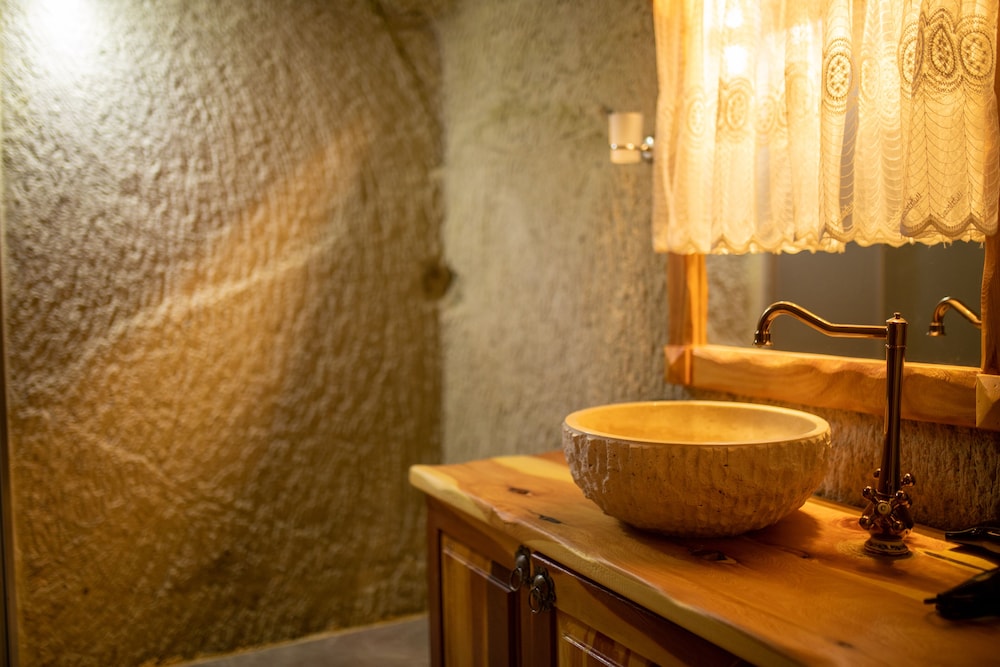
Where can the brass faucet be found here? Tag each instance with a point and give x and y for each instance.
(936, 327)
(887, 514)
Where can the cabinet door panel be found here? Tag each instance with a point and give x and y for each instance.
(479, 609)
(595, 624)
(582, 646)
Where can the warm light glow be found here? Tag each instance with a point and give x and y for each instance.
(65, 27)
(734, 17)
(736, 57)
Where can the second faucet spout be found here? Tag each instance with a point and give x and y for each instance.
(936, 327)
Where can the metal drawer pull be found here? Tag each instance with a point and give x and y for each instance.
(542, 595)
(522, 569)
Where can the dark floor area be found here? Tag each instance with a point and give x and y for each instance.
(395, 644)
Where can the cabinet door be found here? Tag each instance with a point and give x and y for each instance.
(581, 645)
(478, 612)
(479, 608)
(594, 626)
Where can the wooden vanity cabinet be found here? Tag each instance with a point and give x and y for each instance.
(800, 593)
(477, 618)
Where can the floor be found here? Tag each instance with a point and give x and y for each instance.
(395, 644)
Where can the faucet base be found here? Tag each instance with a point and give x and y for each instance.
(887, 518)
(886, 545)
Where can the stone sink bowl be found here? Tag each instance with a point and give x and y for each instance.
(696, 468)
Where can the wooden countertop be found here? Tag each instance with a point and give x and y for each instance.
(799, 592)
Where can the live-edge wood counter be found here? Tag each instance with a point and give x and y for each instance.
(799, 592)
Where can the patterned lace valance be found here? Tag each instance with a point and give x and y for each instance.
(788, 125)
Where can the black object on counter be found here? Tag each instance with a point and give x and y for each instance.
(977, 597)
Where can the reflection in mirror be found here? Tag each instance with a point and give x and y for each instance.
(859, 286)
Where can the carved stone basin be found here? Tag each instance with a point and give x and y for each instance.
(696, 468)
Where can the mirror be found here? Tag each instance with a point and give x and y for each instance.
(940, 393)
(864, 285)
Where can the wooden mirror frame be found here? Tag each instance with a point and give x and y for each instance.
(957, 395)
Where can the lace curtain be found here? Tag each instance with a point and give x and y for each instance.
(788, 125)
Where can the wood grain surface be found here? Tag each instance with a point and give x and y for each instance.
(801, 592)
(931, 392)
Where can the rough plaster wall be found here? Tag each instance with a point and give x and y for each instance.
(222, 353)
(957, 469)
(559, 301)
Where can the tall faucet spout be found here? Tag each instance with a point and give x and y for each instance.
(887, 516)
(762, 336)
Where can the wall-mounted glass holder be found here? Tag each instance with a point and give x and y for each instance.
(625, 138)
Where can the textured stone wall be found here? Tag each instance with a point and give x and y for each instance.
(220, 242)
(558, 301)
(957, 469)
